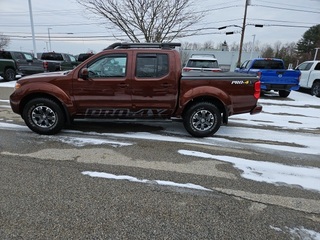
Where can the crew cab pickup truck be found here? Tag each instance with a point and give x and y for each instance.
(134, 81)
(25, 63)
(273, 75)
(310, 76)
(7, 69)
(53, 60)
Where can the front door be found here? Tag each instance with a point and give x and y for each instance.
(106, 92)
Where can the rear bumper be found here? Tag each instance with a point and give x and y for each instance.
(277, 87)
(257, 109)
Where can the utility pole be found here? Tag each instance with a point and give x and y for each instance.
(32, 30)
(242, 32)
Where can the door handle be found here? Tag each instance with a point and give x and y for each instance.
(123, 85)
(165, 85)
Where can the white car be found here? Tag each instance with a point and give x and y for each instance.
(202, 63)
(310, 76)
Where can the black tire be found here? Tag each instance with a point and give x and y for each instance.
(315, 89)
(43, 116)
(202, 119)
(9, 74)
(284, 93)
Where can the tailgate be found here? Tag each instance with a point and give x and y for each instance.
(280, 76)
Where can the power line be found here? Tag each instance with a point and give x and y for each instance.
(277, 3)
(288, 9)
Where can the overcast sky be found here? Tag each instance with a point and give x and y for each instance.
(284, 21)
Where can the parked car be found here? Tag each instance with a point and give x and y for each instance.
(273, 75)
(135, 81)
(25, 63)
(84, 56)
(202, 63)
(71, 65)
(53, 60)
(8, 69)
(310, 76)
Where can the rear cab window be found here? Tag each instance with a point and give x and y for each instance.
(267, 64)
(52, 56)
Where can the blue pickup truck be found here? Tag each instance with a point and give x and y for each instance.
(273, 75)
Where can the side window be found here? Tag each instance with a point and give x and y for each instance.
(317, 68)
(67, 58)
(28, 56)
(114, 65)
(305, 66)
(72, 58)
(152, 65)
(245, 64)
(18, 56)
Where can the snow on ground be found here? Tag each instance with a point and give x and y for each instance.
(264, 171)
(133, 179)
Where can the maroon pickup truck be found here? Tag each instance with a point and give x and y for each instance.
(134, 81)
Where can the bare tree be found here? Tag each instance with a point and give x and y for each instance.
(147, 20)
(4, 41)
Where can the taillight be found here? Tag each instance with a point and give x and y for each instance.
(216, 70)
(257, 89)
(186, 69)
(45, 65)
(259, 74)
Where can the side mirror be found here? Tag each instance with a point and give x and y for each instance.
(84, 73)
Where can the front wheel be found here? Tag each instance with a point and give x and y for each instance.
(315, 90)
(284, 93)
(43, 116)
(202, 119)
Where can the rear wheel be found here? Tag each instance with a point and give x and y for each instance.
(9, 74)
(315, 89)
(43, 116)
(284, 93)
(202, 119)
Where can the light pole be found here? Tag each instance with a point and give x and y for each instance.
(32, 30)
(49, 38)
(254, 37)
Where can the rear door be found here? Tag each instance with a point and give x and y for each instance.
(106, 94)
(154, 87)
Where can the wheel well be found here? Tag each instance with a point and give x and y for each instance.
(6, 68)
(48, 96)
(212, 100)
(316, 81)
